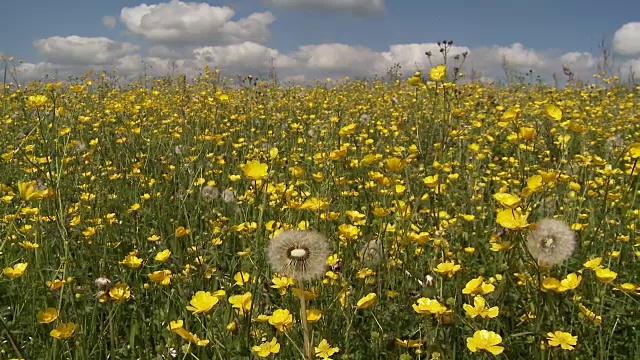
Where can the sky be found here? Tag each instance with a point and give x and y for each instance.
(305, 40)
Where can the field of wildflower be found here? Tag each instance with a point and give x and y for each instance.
(368, 219)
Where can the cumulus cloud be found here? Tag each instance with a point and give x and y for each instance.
(73, 55)
(247, 56)
(338, 58)
(190, 22)
(355, 7)
(78, 50)
(109, 21)
(626, 41)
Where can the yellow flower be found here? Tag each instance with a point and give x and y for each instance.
(16, 271)
(507, 200)
(282, 283)
(314, 204)
(634, 150)
(527, 133)
(162, 277)
(563, 339)
(120, 292)
(202, 302)
(438, 73)
(553, 112)
(409, 343)
(597, 319)
(266, 348)
(281, 319)
(192, 338)
(56, 284)
(485, 340)
(37, 100)
(162, 256)
(477, 286)
(366, 301)
(448, 268)
(512, 219)
(64, 331)
(429, 306)
(394, 164)
(255, 170)
(606, 275)
(29, 190)
(348, 129)
(593, 264)
(479, 308)
(29, 245)
(242, 303)
(182, 231)
(132, 261)
(47, 315)
(313, 315)
(241, 278)
(324, 350)
(569, 283)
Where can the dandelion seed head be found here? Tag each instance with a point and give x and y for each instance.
(299, 254)
(228, 196)
(209, 193)
(371, 253)
(551, 242)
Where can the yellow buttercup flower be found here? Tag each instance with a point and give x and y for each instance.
(281, 319)
(266, 348)
(255, 170)
(485, 340)
(512, 219)
(563, 339)
(29, 190)
(324, 350)
(64, 331)
(242, 303)
(47, 315)
(553, 112)
(16, 271)
(202, 302)
(438, 73)
(367, 301)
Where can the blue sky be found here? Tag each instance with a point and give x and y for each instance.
(544, 28)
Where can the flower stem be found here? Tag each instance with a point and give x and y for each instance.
(305, 323)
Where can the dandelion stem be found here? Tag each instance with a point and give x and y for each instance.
(305, 324)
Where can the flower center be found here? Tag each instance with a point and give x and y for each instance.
(298, 253)
(548, 244)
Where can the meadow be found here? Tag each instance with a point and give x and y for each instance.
(137, 218)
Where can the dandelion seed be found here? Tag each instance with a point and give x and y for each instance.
(551, 242)
(299, 254)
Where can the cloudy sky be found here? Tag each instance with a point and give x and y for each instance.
(315, 39)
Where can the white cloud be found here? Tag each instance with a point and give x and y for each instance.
(630, 68)
(162, 51)
(339, 58)
(519, 56)
(247, 56)
(412, 57)
(77, 50)
(356, 7)
(109, 21)
(74, 55)
(190, 22)
(626, 41)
